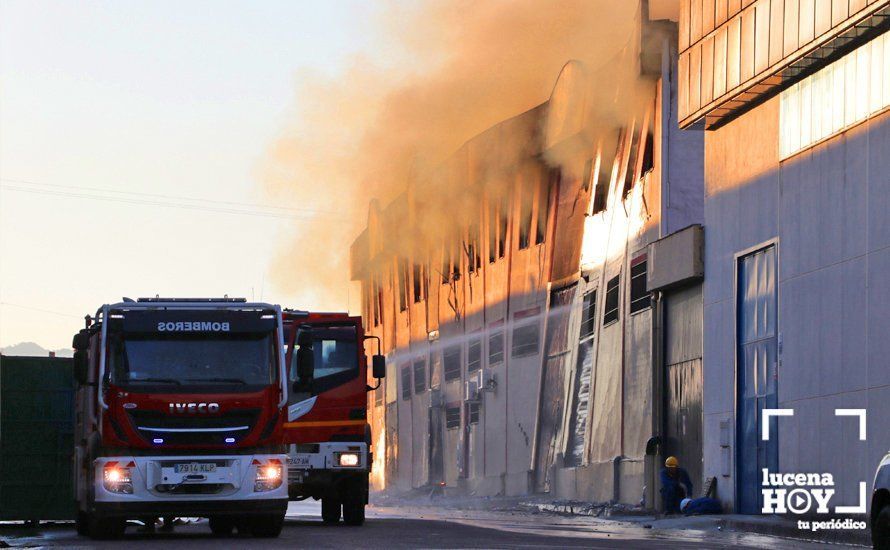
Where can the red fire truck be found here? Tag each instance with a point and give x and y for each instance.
(179, 412)
(327, 429)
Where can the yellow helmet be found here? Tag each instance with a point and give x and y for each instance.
(671, 462)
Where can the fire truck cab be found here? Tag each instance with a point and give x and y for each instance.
(327, 432)
(178, 412)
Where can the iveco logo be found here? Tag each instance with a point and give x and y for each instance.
(193, 408)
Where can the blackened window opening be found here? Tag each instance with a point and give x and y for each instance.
(452, 418)
(418, 283)
(613, 288)
(474, 355)
(588, 315)
(630, 172)
(403, 283)
(406, 382)
(419, 375)
(451, 359)
(640, 298)
(496, 348)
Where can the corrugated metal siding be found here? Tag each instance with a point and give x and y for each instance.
(763, 37)
(36, 441)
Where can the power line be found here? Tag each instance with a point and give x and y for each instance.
(41, 310)
(168, 201)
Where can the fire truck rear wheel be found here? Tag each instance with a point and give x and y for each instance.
(267, 526)
(354, 511)
(107, 528)
(82, 524)
(221, 525)
(330, 510)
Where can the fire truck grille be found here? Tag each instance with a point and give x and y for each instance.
(160, 428)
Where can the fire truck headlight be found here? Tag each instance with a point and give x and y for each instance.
(348, 459)
(268, 476)
(117, 479)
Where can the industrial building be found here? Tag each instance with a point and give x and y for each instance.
(793, 98)
(539, 297)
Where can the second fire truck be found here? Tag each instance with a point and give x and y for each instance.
(327, 431)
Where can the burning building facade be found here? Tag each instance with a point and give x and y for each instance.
(539, 295)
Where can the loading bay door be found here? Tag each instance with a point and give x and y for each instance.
(683, 380)
(757, 310)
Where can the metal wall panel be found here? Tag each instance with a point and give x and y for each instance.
(707, 19)
(748, 45)
(776, 30)
(734, 54)
(792, 14)
(720, 57)
(707, 71)
(778, 41)
(721, 13)
(839, 11)
(823, 16)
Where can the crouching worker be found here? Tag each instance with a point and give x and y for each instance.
(675, 485)
(699, 506)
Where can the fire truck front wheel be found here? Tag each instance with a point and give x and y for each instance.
(354, 510)
(103, 528)
(221, 525)
(330, 510)
(267, 525)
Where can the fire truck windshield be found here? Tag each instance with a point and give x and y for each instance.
(221, 362)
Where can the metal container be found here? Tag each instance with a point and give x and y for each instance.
(36, 438)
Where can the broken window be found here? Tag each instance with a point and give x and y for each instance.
(544, 205)
(472, 413)
(502, 226)
(406, 382)
(446, 265)
(648, 155)
(588, 315)
(419, 375)
(474, 355)
(378, 309)
(403, 284)
(587, 175)
(525, 216)
(452, 417)
(492, 231)
(640, 298)
(455, 266)
(602, 173)
(610, 314)
(451, 359)
(473, 260)
(418, 283)
(630, 172)
(496, 347)
(525, 340)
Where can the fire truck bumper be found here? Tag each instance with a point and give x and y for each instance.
(190, 485)
(321, 469)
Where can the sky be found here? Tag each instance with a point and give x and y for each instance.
(110, 110)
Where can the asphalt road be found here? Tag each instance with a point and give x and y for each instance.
(415, 528)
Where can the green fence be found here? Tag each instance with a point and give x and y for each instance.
(36, 438)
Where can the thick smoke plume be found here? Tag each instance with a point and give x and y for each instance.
(445, 71)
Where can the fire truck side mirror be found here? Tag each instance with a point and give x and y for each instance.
(305, 364)
(378, 366)
(80, 366)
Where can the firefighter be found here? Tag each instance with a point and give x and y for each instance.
(675, 485)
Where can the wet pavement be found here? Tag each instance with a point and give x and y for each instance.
(414, 527)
